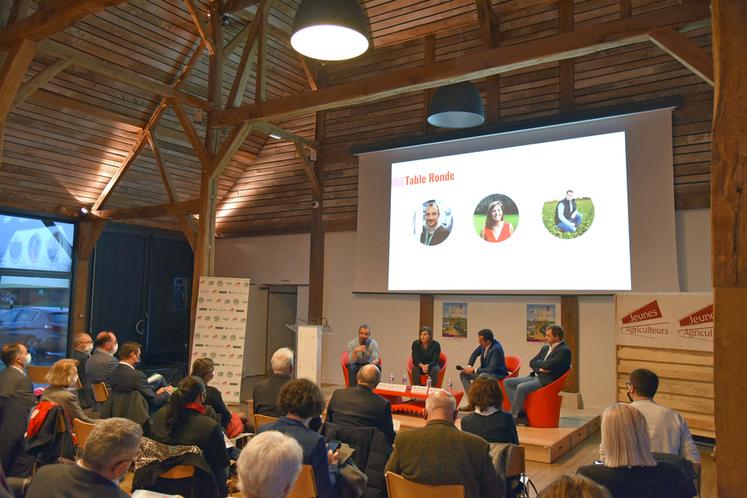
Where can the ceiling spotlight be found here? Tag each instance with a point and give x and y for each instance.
(456, 106)
(276, 137)
(84, 210)
(330, 30)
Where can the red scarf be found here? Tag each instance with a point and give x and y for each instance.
(196, 407)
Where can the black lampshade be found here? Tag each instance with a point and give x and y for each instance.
(456, 106)
(330, 30)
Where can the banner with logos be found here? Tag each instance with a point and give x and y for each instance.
(681, 320)
(220, 328)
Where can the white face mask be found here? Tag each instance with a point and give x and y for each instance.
(88, 348)
(27, 360)
(116, 347)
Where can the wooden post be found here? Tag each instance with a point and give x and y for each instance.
(729, 240)
(569, 322)
(89, 232)
(426, 310)
(565, 67)
(316, 252)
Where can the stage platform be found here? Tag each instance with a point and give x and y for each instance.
(541, 445)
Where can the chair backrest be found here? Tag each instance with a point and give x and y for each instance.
(38, 374)
(100, 392)
(513, 365)
(344, 363)
(516, 464)
(260, 420)
(179, 472)
(305, 486)
(82, 430)
(399, 487)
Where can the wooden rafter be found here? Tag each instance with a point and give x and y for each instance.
(260, 85)
(52, 18)
(234, 5)
(308, 168)
(12, 72)
(262, 9)
(200, 25)
(582, 41)
(119, 174)
(245, 64)
(230, 146)
(191, 133)
(272, 129)
(488, 23)
(40, 79)
(306, 71)
(185, 207)
(686, 52)
(118, 73)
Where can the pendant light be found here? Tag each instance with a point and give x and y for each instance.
(330, 30)
(456, 106)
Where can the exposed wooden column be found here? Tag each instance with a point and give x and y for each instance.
(729, 240)
(316, 251)
(429, 57)
(565, 67)
(490, 34)
(89, 232)
(12, 71)
(427, 309)
(569, 321)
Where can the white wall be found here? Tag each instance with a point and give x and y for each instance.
(394, 318)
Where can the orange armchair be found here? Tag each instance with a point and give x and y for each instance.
(424, 377)
(344, 364)
(543, 405)
(513, 365)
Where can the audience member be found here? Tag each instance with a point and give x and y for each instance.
(492, 361)
(183, 421)
(667, 429)
(488, 420)
(265, 394)
(361, 351)
(269, 465)
(302, 400)
(233, 423)
(439, 453)
(359, 406)
(629, 469)
(574, 486)
(82, 348)
(126, 378)
(63, 381)
(14, 383)
(108, 454)
(102, 362)
(552, 361)
(426, 355)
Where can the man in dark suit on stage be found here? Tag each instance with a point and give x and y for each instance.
(439, 453)
(126, 378)
(110, 449)
(14, 383)
(265, 394)
(492, 361)
(359, 406)
(552, 361)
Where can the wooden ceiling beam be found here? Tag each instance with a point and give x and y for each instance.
(234, 5)
(119, 73)
(40, 79)
(272, 129)
(310, 78)
(228, 149)
(200, 26)
(12, 73)
(191, 133)
(185, 207)
(471, 66)
(52, 18)
(686, 52)
(119, 174)
(308, 169)
(250, 49)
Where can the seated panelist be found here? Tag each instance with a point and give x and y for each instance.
(492, 361)
(426, 354)
(361, 351)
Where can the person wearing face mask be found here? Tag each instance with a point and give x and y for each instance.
(108, 454)
(101, 363)
(63, 383)
(14, 383)
(82, 349)
(183, 422)
(126, 378)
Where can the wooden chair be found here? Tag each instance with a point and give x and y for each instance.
(260, 420)
(399, 487)
(305, 486)
(179, 472)
(100, 392)
(82, 430)
(516, 464)
(38, 374)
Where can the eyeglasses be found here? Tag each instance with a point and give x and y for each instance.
(628, 384)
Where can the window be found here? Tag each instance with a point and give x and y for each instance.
(36, 262)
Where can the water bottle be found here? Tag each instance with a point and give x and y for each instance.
(450, 385)
(391, 378)
(428, 384)
(404, 379)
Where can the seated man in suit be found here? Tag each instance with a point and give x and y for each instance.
(101, 363)
(126, 378)
(359, 406)
(439, 453)
(265, 394)
(552, 361)
(82, 348)
(14, 382)
(110, 449)
(492, 361)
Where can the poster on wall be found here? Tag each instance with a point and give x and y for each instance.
(454, 322)
(220, 328)
(682, 320)
(539, 316)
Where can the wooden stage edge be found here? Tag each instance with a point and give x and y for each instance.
(541, 445)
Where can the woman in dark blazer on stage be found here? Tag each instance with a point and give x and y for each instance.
(425, 357)
(488, 420)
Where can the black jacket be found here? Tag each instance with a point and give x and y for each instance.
(265, 395)
(16, 384)
(360, 407)
(214, 399)
(71, 481)
(125, 379)
(558, 363)
(202, 484)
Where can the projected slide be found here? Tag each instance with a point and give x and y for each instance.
(539, 217)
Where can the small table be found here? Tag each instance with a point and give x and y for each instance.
(416, 404)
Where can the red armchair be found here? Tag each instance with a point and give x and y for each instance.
(543, 405)
(344, 364)
(424, 377)
(513, 365)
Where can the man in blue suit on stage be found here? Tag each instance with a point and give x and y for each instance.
(492, 361)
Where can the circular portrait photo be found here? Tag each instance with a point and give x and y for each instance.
(496, 218)
(569, 217)
(436, 222)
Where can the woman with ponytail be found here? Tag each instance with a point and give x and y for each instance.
(183, 421)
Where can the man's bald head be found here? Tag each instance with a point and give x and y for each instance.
(440, 405)
(369, 376)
